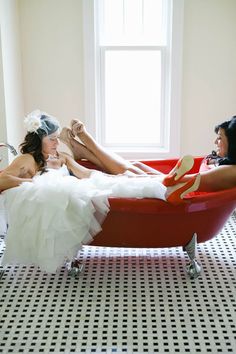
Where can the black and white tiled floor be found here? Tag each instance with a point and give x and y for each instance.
(126, 300)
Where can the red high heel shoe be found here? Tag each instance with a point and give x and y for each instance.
(178, 193)
(183, 166)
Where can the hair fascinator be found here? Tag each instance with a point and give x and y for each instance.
(41, 123)
(32, 121)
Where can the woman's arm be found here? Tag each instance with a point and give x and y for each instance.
(77, 170)
(9, 181)
(20, 170)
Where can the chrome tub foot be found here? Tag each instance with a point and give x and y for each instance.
(74, 267)
(193, 268)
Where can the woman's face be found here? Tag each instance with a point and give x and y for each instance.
(50, 144)
(221, 143)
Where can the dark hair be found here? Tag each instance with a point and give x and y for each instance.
(32, 143)
(229, 127)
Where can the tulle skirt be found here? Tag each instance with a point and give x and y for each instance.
(52, 217)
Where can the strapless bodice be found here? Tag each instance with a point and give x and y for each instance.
(62, 171)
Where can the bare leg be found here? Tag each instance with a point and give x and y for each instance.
(79, 150)
(218, 178)
(215, 179)
(147, 169)
(113, 163)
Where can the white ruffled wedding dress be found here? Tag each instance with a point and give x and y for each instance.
(52, 217)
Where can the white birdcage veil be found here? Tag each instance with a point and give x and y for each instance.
(41, 123)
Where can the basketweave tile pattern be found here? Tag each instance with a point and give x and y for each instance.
(125, 301)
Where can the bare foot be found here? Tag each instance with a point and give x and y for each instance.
(66, 135)
(78, 150)
(77, 127)
(79, 130)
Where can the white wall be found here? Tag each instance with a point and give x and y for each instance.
(52, 56)
(209, 71)
(51, 43)
(3, 128)
(12, 109)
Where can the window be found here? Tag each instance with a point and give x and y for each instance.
(132, 75)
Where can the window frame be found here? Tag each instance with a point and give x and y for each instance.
(172, 71)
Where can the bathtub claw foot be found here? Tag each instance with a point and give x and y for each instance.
(193, 269)
(74, 268)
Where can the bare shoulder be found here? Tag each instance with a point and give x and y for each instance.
(22, 166)
(24, 159)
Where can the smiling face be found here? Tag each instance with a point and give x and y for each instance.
(50, 144)
(222, 144)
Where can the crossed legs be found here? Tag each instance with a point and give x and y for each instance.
(80, 151)
(90, 150)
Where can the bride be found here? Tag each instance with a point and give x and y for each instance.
(54, 205)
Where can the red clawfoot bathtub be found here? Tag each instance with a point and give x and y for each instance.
(156, 223)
